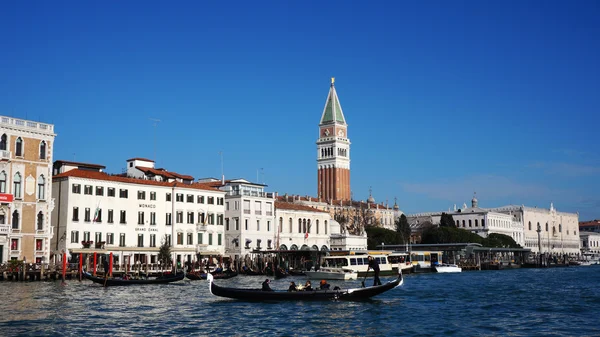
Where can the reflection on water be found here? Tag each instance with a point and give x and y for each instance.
(519, 302)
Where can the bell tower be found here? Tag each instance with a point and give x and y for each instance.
(333, 151)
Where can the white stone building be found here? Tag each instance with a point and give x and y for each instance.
(590, 242)
(558, 230)
(249, 216)
(131, 217)
(303, 227)
(26, 150)
(478, 220)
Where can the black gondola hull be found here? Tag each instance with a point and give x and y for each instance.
(120, 282)
(356, 294)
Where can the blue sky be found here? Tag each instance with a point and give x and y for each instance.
(442, 98)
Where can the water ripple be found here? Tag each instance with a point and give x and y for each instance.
(492, 303)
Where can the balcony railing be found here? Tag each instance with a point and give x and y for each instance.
(26, 124)
(4, 155)
(246, 211)
(269, 195)
(258, 212)
(269, 213)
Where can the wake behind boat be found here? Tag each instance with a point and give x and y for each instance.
(113, 281)
(355, 294)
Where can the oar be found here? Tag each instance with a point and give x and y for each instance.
(363, 281)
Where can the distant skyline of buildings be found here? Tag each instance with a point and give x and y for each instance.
(220, 217)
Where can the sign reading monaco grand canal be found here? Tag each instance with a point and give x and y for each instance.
(6, 197)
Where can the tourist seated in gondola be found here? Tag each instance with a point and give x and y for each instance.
(324, 285)
(292, 286)
(307, 286)
(265, 285)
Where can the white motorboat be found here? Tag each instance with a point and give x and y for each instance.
(331, 273)
(448, 268)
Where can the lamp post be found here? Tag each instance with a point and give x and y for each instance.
(539, 230)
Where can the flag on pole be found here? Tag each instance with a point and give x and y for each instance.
(97, 214)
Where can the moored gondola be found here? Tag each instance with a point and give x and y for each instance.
(110, 281)
(355, 294)
(218, 276)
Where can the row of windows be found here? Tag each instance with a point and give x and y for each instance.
(19, 146)
(18, 186)
(470, 223)
(110, 237)
(553, 228)
(141, 195)
(16, 220)
(304, 225)
(203, 218)
(15, 244)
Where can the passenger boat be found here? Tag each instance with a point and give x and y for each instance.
(353, 294)
(113, 281)
(447, 268)
(359, 263)
(329, 273)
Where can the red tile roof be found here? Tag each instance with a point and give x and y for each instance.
(589, 223)
(296, 207)
(164, 173)
(182, 176)
(138, 158)
(118, 178)
(353, 203)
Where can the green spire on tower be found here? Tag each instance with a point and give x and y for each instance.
(332, 113)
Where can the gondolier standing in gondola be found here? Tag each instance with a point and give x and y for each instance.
(373, 264)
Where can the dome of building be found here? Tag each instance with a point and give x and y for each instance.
(474, 202)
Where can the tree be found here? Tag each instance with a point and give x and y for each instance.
(164, 253)
(403, 228)
(378, 235)
(496, 240)
(447, 220)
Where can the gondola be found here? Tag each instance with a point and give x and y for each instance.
(168, 278)
(355, 294)
(280, 273)
(194, 276)
(296, 272)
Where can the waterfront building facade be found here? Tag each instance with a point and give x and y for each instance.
(352, 215)
(249, 216)
(333, 151)
(558, 230)
(590, 242)
(132, 214)
(477, 220)
(302, 227)
(26, 150)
